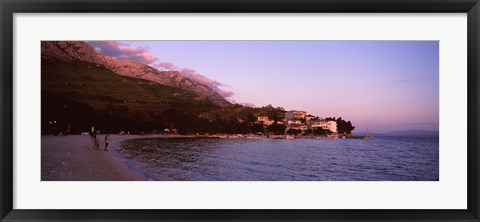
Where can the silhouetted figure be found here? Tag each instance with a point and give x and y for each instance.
(93, 133)
(106, 143)
(96, 144)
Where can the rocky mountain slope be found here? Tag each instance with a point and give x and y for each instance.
(81, 51)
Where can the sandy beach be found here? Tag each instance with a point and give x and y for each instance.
(71, 158)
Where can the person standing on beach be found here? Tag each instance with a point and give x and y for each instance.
(94, 141)
(92, 133)
(106, 143)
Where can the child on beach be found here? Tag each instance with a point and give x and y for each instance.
(106, 143)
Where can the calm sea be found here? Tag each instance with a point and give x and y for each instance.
(206, 159)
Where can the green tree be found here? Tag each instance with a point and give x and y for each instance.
(276, 129)
(294, 131)
(321, 132)
(344, 127)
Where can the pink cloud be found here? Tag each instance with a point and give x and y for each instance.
(192, 74)
(213, 84)
(224, 93)
(244, 104)
(122, 50)
(165, 65)
(144, 58)
(248, 104)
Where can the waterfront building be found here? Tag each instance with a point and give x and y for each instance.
(328, 125)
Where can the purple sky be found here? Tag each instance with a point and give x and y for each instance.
(378, 85)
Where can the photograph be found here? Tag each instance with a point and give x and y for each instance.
(203, 110)
(239, 110)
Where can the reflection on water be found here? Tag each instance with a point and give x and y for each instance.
(207, 159)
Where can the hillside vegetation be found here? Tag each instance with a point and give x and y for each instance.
(83, 94)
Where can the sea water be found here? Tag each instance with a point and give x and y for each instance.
(263, 159)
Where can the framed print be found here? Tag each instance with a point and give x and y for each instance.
(231, 110)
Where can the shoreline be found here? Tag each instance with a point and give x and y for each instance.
(71, 158)
(132, 165)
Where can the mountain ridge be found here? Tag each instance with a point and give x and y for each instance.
(78, 50)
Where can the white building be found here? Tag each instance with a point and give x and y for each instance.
(295, 122)
(262, 118)
(327, 125)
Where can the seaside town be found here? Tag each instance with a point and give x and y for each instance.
(300, 124)
(294, 124)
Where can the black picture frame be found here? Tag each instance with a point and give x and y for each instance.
(9, 7)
